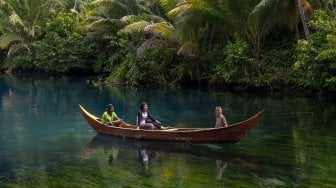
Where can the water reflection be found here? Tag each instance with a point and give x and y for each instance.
(220, 168)
(146, 155)
(145, 151)
(292, 146)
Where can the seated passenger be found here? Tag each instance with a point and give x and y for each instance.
(110, 117)
(220, 118)
(145, 120)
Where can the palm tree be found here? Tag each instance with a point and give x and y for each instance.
(187, 25)
(151, 20)
(251, 25)
(109, 16)
(292, 10)
(185, 22)
(196, 21)
(23, 22)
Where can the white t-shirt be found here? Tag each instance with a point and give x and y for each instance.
(144, 117)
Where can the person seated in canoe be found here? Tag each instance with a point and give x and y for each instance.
(145, 120)
(110, 117)
(220, 118)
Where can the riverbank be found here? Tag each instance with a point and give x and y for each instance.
(275, 89)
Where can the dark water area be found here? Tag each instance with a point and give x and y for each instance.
(45, 142)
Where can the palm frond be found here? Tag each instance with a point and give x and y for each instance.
(157, 19)
(163, 30)
(189, 49)
(16, 19)
(207, 8)
(110, 3)
(136, 27)
(9, 38)
(16, 48)
(180, 11)
(30, 16)
(168, 4)
(105, 24)
(188, 27)
(145, 9)
(262, 5)
(153, 43)
(93, 19)
(127, 19)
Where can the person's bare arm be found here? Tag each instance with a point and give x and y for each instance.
(224, 122)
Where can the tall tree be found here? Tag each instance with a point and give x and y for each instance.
(251, 24)
(293, 11)
(151, 20)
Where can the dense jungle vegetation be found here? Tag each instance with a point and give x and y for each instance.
(249, 43)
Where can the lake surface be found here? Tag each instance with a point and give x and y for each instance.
(45, 142)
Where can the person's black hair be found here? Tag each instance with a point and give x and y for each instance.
(142, 105)
(109, 106)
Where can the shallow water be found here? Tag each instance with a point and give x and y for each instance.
(45, 142)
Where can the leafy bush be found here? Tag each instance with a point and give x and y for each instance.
(113, 49)
(63, 49)
(22, 61)
(126, 72)
(233, 63)
(151, 68)
(315, 65)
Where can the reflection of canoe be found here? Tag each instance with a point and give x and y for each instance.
(210, 151)
(233, 133)
(222, 154)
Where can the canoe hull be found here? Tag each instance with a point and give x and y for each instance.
(233, 133)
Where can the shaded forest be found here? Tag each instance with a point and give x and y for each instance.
(248, 43)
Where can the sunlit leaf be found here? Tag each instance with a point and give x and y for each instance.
(163, 30)
(136, 27)
(9, 38)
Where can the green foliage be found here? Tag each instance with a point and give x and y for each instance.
(315, 61)
(154, 65)
(127, 72)
(167, 41)
(150, 68)
(56, 54)
(63, 25)
(22, 61)
(232, 64)
(63, 49)
(120, 63)
(114, 49)
(22, 22)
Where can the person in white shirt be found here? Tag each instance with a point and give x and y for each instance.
(145, 120)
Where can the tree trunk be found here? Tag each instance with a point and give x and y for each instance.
(211, 37)
(303, 19)
(297, 35)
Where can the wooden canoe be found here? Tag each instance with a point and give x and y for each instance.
(233, 133)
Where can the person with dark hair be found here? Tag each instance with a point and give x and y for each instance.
(145, 119)
(109, 117)
(220, 118)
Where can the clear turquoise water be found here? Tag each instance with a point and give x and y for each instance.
(45, 142)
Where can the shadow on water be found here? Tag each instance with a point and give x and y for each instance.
(146, 150)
